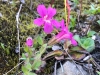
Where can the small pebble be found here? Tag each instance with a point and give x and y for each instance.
(56, 47)
(93, 37)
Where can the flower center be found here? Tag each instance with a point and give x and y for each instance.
(46, 19)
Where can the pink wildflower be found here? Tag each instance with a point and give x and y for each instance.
(29, 41)
(46, 18)
(65, 34)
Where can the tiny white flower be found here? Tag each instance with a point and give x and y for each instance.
(93, 37)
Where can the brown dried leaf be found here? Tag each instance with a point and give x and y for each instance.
(53, 53)
(77, 55)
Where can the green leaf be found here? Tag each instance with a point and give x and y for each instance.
(7, 51)
(77, 38)
(56, 52)
(41, 51)
(40, 40)
(73, 22)
(35, 43)
(22, 58)
(28, 66)
(30, 73)
(98, 22)
(76, 48)
(26, 48)
(98, 72)
(2, 45)
(24, 69)
(76, 2)
(92, 6)
(23, 55)
(90, 33)
(43, 48)
(36, 64)
(88, 44)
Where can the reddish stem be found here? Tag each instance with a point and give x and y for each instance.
(68, 12)
(52, 1)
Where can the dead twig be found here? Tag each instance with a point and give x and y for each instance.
(66, 49)
(13, 68)
(17, 25)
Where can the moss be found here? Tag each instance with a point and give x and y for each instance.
(8, 31)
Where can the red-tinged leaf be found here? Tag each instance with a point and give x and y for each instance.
(77, 55)
(76, 48)
(67, 44)
(59, 58)
(53, 53)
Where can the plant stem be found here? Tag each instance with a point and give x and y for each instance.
(65, 12)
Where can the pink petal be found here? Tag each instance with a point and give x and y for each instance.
(48, 28)
(56, 23)
(29, 42)
(59, 35)
(38, 21)
(51, 12)
(62, 24)
(41, 9)
(66, 36)
(72, 39)
(73, 42)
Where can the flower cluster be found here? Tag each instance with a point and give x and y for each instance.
(65, 34)
(46, 18)
(48, 22)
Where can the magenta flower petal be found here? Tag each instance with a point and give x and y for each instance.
(59, 35)
(48, 28)
(41, 9)
(29, 41)
(46, 18)
(66, 36)
(62, 24)
(56, 23)
(51, 12)
(38, 21)
(73, 42)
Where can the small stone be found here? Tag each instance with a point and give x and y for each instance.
(17, 49)
(71, 69)
(56, 47)
(22, 1)
(0, 14)
(74, 31)
(93, 37)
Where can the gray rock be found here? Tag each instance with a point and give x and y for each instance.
(71, 69)
(56, 47)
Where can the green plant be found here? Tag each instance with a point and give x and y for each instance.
(76, 2)
(98, 72)
(32, 60)
(93, 10)
(86, 43)
(72, 22)
(5, 49)
(98, 22)
(90, 33)
(38, 41)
